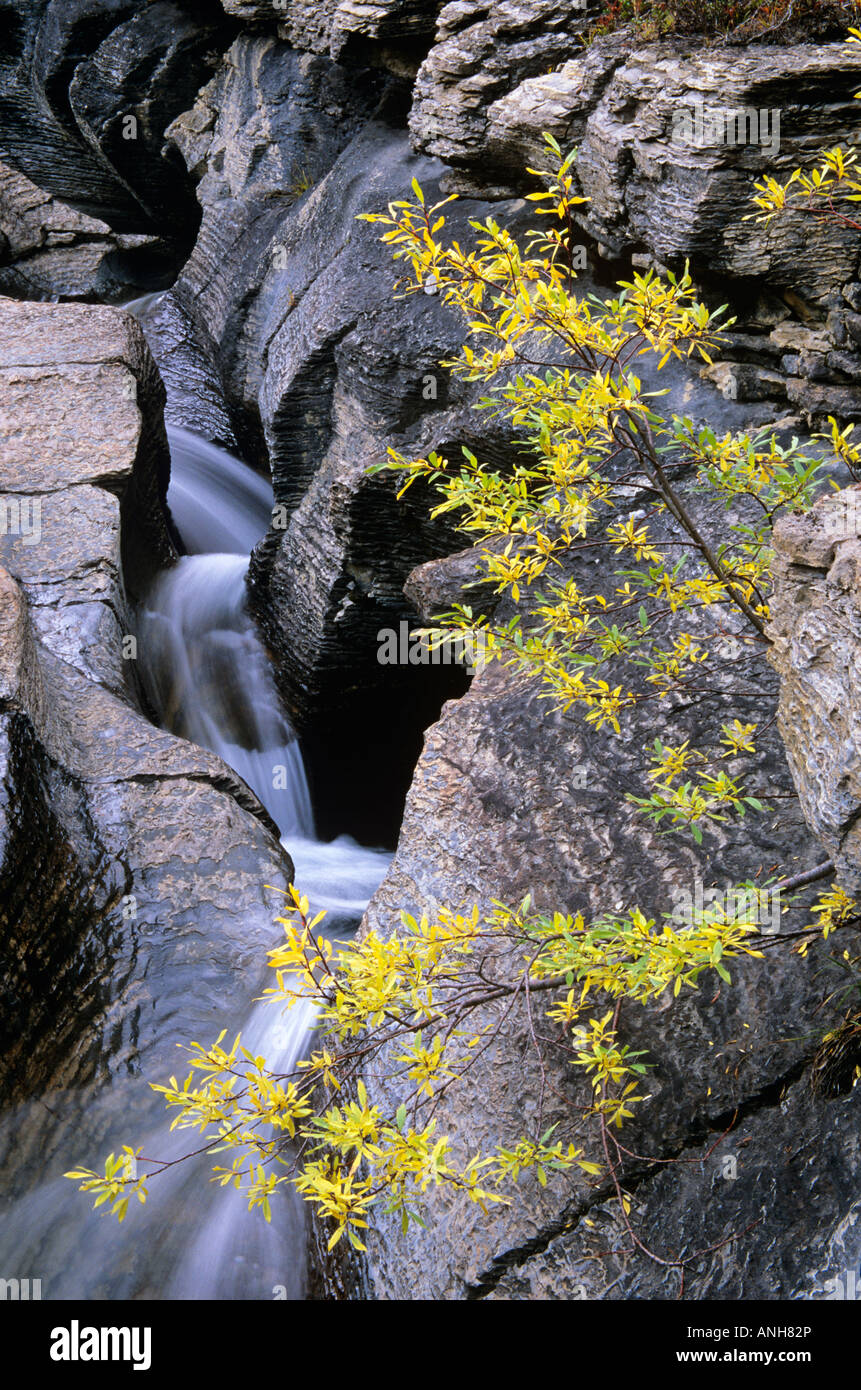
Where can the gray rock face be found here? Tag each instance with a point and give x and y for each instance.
(305, 26)
(392, 33)
(509, 798)
(481, 55)
(48, 249)
(60, 365)
(816, 628)
(188, 367)
(672, 137)
(116, 840)
(350, 372)
(86, 91)
(651, 184)
(260, 136)
(318, 359)
(291, 295)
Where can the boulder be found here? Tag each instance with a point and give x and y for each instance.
(111, 830)
(61, 365)
(509, 798)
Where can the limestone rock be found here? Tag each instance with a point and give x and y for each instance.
(672, 137)
(435, 586)
(77, 384)
(350, 372)
(318, 358)
(388, 33)
(657, 175)
(305, 26)
(510, 798)
(48, 250)
(481, 54)
(821, 401)
(188, 366)
(742, 381)
(109, 828)
(88, 89)
(260, 137)
(815, 626)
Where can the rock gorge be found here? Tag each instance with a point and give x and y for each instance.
(264, 321)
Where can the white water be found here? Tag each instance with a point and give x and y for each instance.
(211, 680)
(207, 673)
(218, 503)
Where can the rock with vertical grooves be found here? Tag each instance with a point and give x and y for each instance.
(317, 358)
(87, 88)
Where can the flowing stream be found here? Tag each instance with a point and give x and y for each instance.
(208, 675)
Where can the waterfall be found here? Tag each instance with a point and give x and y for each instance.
(208, 677)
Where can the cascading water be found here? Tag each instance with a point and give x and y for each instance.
(207, 674)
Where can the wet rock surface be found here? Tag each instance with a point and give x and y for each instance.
(117, 840)
(324, 370)
(672, 138)
(321, 372)
(132, 911)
